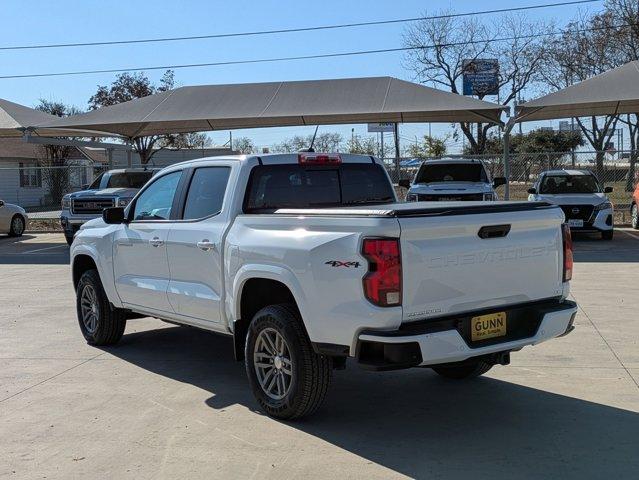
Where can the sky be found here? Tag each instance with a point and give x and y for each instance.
(63, 21)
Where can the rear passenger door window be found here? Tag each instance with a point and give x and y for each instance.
(206, 192)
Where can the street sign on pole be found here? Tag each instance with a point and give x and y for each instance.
(481, 76)
(381, 127)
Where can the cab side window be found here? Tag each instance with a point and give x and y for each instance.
(206, 192)
(156, 201)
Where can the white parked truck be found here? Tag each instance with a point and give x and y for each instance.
(307, 260)
(452, 179)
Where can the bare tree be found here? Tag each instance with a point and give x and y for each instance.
(324, 142)
(244, 145)
(362, 145)
(54, 159)
(439, 48)
(186, 140)
(128, 86)
(582, 51)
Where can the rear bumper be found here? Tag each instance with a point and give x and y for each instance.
(446, 341)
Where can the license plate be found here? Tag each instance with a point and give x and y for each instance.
(449, 199)
(488, 326)
(575, 223)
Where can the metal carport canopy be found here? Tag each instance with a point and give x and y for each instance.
(613, 92)
(273, 104)
(16, 120)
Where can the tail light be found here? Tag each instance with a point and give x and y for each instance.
(319, 159)
(383, 282)
(568, 261)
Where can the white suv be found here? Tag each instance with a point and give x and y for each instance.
(585, 204)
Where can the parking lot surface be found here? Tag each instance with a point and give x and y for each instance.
(170, 402)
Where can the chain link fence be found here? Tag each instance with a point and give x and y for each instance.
(39, 189)
(617, 170)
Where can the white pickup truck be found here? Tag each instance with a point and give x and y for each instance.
(306, 259)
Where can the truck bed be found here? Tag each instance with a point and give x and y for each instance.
(420, 209)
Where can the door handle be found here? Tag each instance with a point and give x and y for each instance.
(156, 242)
(206, 245)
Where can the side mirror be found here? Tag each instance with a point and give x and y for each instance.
(85, 186)
(113, 215)
(1, 203)
(532, 191)
(608, 190)
(405, 183)
(499, 181)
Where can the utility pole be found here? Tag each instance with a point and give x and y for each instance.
(397, 169)
(231, 139)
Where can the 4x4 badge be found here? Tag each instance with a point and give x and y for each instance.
(337, 263)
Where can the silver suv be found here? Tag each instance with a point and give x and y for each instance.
(114, 188)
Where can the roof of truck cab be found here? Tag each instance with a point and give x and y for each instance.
(567, 172)
(453, 160)
(276, 158)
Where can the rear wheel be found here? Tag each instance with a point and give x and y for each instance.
(462, 370)
(289, 380)
(607, 235)
(17, 226)
(100, 323)
(634, 213)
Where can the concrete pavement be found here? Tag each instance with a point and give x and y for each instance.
(170, 402)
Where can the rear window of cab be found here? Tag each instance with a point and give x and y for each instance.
(272, 187)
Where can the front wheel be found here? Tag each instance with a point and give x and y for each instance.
(634, 213)
(289, 380)
(17, 226)
(462, 370)
(607, 234)
(100, 323)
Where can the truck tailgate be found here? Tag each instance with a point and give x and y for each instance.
(449, 268)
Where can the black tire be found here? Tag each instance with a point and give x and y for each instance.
(462, 370)
(607, 234)
(69, 239)
(109, 322)
(634, 214)
(17, 226)
(311, 372)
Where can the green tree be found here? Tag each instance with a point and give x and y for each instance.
(428, 147)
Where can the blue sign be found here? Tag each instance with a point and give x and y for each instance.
(481, 77)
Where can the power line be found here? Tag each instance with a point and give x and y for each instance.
(294, 30)
(306, 57)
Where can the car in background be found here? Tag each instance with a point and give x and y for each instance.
(582, 198)
(449, 179)
(114, 188)
(634, 208)
(13, 219)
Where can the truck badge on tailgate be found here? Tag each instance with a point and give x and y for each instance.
(338, 263)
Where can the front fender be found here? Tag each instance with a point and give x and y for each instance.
(278, 273)
(104, 264)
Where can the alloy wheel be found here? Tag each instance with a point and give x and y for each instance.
(17, 225)
(272, 363)
(89, 309)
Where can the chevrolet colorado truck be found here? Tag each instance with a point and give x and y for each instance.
(452, 179)
(114, 188)
(307, 259)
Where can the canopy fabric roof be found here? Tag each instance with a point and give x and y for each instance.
(612, 92)
(251, 105)
(16, 118)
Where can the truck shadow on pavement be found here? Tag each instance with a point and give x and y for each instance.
(415, 423)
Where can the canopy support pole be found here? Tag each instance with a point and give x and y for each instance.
(507, 129)
(397, 169)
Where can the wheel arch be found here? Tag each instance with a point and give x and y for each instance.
(81, 264)
(255, 289)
